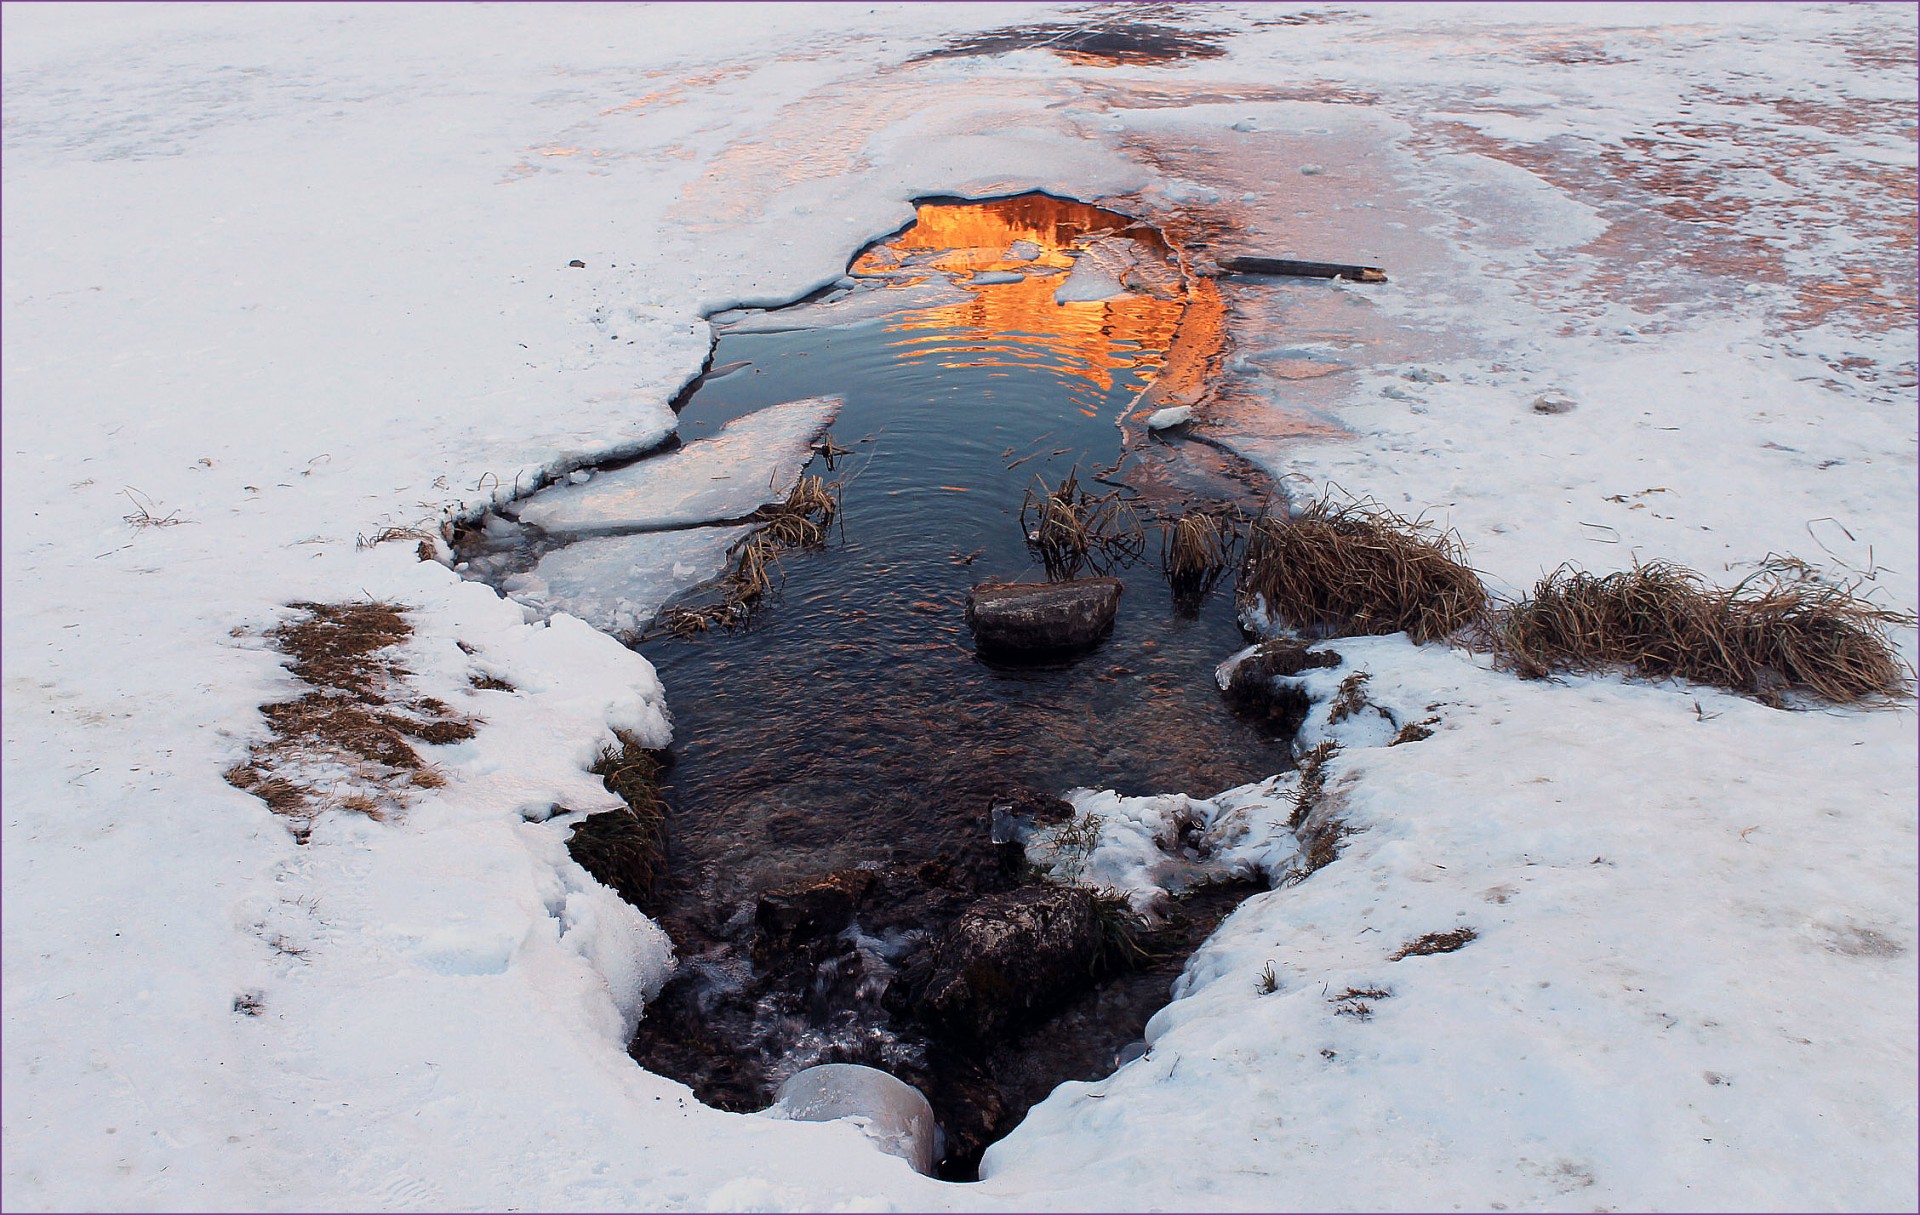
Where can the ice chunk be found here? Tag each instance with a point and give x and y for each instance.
(888, 1111)
(752, 462)
(1166, 419)
(617, 583)
(1089, 283)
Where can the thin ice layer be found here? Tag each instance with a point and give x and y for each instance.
(618, 583)
(751, 463)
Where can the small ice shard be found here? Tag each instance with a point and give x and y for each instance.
(618, 583)
(1166, 419)
(1089, 283)
(989, 277)
(751, 463)
(1022, 251)
(887, 1110)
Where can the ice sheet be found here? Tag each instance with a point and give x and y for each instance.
(751, 463)
(618, 583)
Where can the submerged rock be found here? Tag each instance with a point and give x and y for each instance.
(891, 1112)
(809, 910)
(1042, 617)
(1009, 960)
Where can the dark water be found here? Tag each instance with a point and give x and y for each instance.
(854, 722)
(853, 725)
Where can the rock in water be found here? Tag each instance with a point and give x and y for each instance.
(809, 910)
(1040, 617)
(1010, 959)
(893, 1113)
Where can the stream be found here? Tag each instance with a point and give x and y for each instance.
(991, 349)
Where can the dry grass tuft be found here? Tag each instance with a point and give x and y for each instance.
(1360, 569)
(1070, 530)
(626, 849)
(803, 521)
(1778, 632)
(1435, 942)
(1118, 945)
(1195, 550)
(348, 743)
(391, 533)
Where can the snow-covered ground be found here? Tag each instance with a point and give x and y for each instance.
(277, 278)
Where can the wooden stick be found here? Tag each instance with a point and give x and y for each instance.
(1281, 265)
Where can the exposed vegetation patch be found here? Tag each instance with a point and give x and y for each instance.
(1415, 731)
(1101, 41)
(1355, 1002)
(1315, 822)
(1070, 530)
(1359, 568)
(1435, 942)
(626, 849)
(348, 744)
(1778, 632)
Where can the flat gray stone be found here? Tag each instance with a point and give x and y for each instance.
(1038, 617)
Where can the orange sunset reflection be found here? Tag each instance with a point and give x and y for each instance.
(1012, 255)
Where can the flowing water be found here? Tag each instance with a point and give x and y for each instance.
(988, 349)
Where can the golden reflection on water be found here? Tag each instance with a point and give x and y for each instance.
(1012, 255)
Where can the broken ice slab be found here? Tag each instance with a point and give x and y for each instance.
(618, 584)
(752, 462)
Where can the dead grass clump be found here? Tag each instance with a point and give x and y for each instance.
(1415, 731)
(1777, 632)
(1070, 530)
(1118, 933)
(348, 743)
(1435, 942)
(1316, 823)
(626, 849)
(394, 532)
(1353, 1002)
(1195, 550)
(1348, 699)
(801, 522)
(1360, 569)
(338, 645)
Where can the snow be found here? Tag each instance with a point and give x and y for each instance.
(284, 277)
(753, 462)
